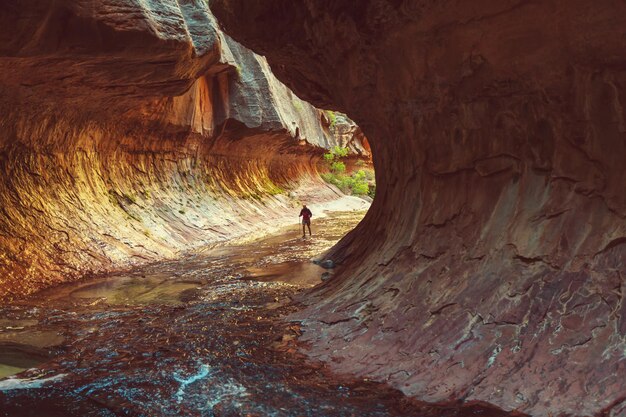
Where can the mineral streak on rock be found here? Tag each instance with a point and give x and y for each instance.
(132, 130)
(491, 265)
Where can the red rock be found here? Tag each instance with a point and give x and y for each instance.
(132, 131)
(497, 130)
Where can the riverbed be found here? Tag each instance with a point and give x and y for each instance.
(202, 335)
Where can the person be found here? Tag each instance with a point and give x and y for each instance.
(306, 215)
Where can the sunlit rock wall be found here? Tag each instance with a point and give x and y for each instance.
(492, 263)
(131, 131)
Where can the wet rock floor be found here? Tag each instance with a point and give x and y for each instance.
(203, 335)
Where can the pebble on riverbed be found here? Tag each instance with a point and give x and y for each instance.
(326, 263)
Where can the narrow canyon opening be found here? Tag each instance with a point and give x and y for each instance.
(156, 156)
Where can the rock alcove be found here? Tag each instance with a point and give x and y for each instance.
(491, 265)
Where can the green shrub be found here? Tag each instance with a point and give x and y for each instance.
(359, 175)
(336, 152)
(357, 183)
(339, 151)
(338, 167)
(345, 183)
(360, 188)
(332, 117)
(328, 177)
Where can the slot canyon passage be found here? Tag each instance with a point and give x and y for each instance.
(150, 162)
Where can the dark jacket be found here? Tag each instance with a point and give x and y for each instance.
(306, 214)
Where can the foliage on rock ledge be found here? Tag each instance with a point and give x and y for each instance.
(358, 182)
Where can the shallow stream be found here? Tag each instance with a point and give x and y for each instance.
(203, 335)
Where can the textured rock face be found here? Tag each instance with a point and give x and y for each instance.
(133, 130)
(347, 133)
(492, 263)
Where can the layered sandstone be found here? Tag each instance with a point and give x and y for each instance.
(347, 133)
(491, 265)
(131, 131)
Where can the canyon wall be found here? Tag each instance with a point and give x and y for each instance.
(132, 131)
(491, 266)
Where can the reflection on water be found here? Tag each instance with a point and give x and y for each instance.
(6, 370)
(23, 345)
(15, 358)
(283, 257)
(118, 290)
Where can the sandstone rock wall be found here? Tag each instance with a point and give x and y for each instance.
(491, 265)
(131, 131)
(347, 133)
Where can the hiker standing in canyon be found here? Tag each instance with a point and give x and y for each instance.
(306, 215)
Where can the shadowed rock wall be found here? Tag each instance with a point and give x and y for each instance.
(491, 265)
(131, 131)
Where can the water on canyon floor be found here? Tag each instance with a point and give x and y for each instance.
(202, 335)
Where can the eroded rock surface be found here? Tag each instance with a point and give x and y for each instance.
(492, 263)
(131, 131)
(347, 133)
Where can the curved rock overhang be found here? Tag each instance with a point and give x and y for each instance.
(491, 265)
(132, 131)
